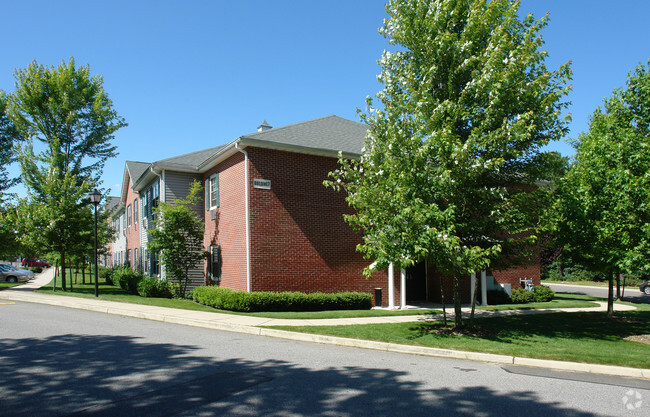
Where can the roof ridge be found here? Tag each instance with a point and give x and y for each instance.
(275, 129)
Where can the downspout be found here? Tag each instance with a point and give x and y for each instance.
(248, 229)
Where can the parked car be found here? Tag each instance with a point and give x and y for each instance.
(10, 273)
(645, 287)
(31, 262)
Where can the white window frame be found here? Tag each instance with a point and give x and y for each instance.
(213, 193)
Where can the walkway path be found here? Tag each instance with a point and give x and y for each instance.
(255, 325)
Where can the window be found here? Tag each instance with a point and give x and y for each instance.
(212, 191)
(150, 201)
(214, 263)
(128, 216)
(135, 213)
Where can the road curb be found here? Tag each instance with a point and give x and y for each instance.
(330, 340)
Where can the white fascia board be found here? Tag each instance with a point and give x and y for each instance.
(229, 150)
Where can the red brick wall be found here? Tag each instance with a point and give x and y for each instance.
(299, 240)
(511, 276)
(229, 227)
(132, 231)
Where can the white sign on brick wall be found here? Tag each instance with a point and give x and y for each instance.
(262, 184)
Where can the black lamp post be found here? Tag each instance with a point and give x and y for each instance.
(95, 197)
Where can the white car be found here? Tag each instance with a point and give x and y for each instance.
(10, 273)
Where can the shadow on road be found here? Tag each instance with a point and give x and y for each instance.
(118, 375)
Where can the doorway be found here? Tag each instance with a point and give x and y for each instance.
(416, 282)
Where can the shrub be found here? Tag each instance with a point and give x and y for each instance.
(128, 279)
(543, 294)
(36, 269)
(226, 299)
(108, 274)
(498, 297)
(521, 296)
(152, 287)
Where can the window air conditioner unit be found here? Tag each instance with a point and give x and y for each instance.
(213, 214)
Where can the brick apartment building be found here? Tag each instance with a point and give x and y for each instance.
(270, 224)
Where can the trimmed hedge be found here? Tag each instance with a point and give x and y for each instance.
(543, 294)
(521, 296)
(153, 287)
(227, 299)
(127, 279)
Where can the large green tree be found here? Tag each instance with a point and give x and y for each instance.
(447, 172)
(8, 136)
(603, 209)
(178, 237)
(66, 113)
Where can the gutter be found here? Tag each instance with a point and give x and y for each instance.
(247, 214)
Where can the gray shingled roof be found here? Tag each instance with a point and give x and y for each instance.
(111, 204)
(190, 160)
(136, 169)
(330, 133)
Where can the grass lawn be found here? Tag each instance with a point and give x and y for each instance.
(560, 301)
(4, 285)
(576, 337)
(112, 293)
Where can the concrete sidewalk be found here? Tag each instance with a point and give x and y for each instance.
(255, 325)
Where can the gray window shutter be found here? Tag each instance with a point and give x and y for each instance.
(207, 194)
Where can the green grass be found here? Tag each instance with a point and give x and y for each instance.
(576, 337)
(4, 285)
(112, 293)
(560, 301)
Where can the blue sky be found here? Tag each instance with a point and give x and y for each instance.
(188, 75)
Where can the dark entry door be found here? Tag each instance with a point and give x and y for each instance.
(416, 282)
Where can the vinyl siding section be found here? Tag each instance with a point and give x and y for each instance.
(177, 185)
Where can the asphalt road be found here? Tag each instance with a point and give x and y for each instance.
(631, 294)
(56, 361)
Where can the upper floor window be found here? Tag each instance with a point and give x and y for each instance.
(135, 213)
(128, 216)
(212, 191)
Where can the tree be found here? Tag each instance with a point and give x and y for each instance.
(68, 112)
(178, 236)
(602, 214)
(8, 136)
(446, 173)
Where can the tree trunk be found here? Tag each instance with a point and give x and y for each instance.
(623, 290)
(442, 299)
(610, 295)
(56, 272)
(63, 283)
(71, 278)
(458, 318)
(83, 274)
(476, 288)
(618, 286)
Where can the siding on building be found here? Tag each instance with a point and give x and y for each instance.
(176, 186)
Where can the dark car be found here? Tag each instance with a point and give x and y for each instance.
(31, 262)
(645, 287)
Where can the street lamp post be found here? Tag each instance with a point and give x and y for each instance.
(95, 197)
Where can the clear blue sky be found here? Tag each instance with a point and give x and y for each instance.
(188, 75)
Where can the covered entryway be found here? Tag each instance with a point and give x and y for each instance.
(416, 283)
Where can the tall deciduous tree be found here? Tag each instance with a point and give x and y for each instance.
(446, 172)
(178, 236)
(68, 114)
(603, 209)
(8, 136)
